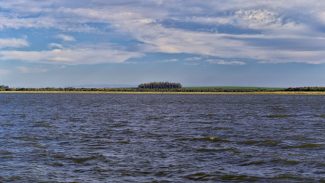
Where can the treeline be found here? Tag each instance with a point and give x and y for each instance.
(144, 89)
(72, 89)
(160, 85)
(227, 89)
(165, 87)
(306, 89)
(4, 88)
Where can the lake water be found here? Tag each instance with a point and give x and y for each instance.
(161, 138)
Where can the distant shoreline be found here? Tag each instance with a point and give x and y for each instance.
(169, 93)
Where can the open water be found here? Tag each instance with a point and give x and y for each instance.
(161, 138)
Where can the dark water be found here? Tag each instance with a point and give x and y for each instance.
(161, 138)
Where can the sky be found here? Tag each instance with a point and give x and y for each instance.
(115, 43)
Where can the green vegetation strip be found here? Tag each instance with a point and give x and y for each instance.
(174, 88)
(169, 93)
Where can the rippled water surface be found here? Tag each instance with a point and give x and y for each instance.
(161, 138)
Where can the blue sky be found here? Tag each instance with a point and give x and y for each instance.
(63, 43)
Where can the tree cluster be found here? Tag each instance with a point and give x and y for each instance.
(160, 85)
(306, 89)
(4, 88)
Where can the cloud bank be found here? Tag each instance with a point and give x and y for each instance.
(13, 43)
(227, 32)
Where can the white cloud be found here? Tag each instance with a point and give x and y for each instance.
(285, 56)
(55, 46)
(142, 21)
(17, 22)
(321, 17)
(172, 60)
(158, 38)
(4, 72)
(259, 16)
(66, 38)
(29, 70)
(209, 20)
(81, 55)
(13, 43)
(225, 62)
